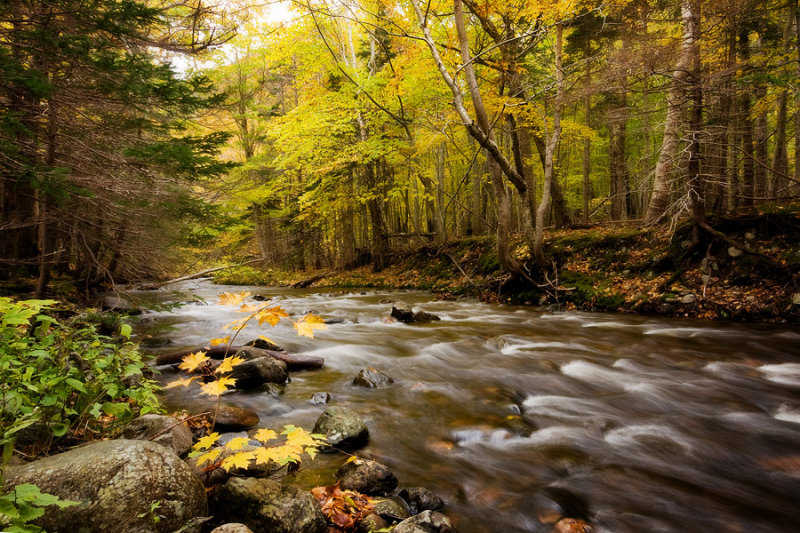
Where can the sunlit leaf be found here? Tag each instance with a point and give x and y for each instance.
(218, 386)
(228, 298)
(210, 456)
(265, 435)
(193, 361)
(237, 443)
(306, 325)
(228, 363)
(237, 460)
(181, 382)
(223, 340)
(207, 441)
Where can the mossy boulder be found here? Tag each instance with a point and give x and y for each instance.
(343, 429)
(266, 506)
(116, 482)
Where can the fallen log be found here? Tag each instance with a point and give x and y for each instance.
(305, 283)
(293, 362)
(200, 274)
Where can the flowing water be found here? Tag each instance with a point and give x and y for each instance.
(507, 412)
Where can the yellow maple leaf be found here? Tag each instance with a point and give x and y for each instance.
(265, 435)
(207, 441)
(181, 382)
(306, 325)
(228, 298)
(271, 315)
(209, 457)
(237, 460)
(265, 455)
(223, 340)
(237, 444)
(193, 361)
(218, 386)
(245, 308)
(228, 363)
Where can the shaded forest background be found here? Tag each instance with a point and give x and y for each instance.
(139, 139)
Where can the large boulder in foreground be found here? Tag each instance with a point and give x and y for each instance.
(343, 429)
(116, 482)
(164, 430)
(426, 522)
(266, 506)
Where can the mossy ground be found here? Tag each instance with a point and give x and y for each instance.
(607, 268)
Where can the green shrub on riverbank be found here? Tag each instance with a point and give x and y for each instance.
(63, 378)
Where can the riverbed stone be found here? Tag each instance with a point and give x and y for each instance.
(426, 522)
(263, 344)
(320, 398)
(170, 432)
(367, 477)
(372, 522)
(116, 482)
(402, 312)
(420, 499)
(796, 298)
(343, 429)
(266, 506)
(255, 372)
(233, 418)
(232, 528)
(393, 509)
(372, 378)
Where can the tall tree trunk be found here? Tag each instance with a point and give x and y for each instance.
(587, 160)
(662, 181)
(691, 15)
(552, 143)
(748, 181)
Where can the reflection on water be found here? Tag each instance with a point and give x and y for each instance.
(658, 425)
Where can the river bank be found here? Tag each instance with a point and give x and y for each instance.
(747, 272)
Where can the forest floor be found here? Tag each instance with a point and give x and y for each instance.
(746, 272)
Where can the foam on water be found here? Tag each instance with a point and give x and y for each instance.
(633, 435)
(787, 414)
(564, 407)
(783, 373)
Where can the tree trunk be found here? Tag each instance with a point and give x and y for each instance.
(662, 181)
(691, 16)
(587, 162)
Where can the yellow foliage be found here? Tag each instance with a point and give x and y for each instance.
(228, 298)
(264, 435)
(207, 441)
(181, 382)
(193, 361)
(306, 325)
(222, 340)
(237, 460)
(228, 363)
(237, 444)
(217, 387)
(271, 315)
(210, 456)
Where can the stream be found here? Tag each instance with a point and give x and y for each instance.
(506, 412)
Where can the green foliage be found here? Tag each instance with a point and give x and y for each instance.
(23, 504)
(65, 375)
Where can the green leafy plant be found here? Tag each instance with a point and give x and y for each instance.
(24, 504)
(65, 376)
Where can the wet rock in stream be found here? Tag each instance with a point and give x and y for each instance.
(255, 372)
(372, 378)
(343, 429)
(402, 312)
(266, 506)
(367, 477)
(426, 522)
(232, 418)
(320, 398)
(421, 499)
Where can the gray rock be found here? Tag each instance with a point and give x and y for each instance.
(750, 235)
(320, 398)
(372, 378)
(232, 528)
(367, 477)
(421, 499)
(266, 506)
(171, 432)
(734, 252)
(232, 418)
(392, 509)
(426, 522)
(403, 312)
(258, 371)
(116, 482)
(271, 389)
(796, 298)
(372, 522)
(342, 428)
(263, 344)
(688, 299)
